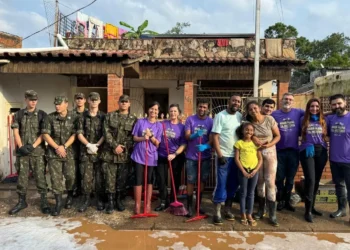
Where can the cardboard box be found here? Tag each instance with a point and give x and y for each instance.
(326, 192)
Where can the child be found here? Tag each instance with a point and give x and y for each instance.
(248, 160)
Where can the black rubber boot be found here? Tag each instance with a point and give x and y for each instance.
(162, 206)
(288, 206)
(341, 212)
(308, 215)
(110, 204)
(57, 210)
(118, 202)
(44, 206)
(201, 211)
(228, 214)
(69, 200)
(261, 210)
(313, 210)
(100, 202)
(189, 206)
(86, 203)
(217, 219)
(272, 213)
(22, 204)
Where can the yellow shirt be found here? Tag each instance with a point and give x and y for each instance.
(247, 154)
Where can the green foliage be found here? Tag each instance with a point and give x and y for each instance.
(136, 34)
(280, 30)
(178, 28)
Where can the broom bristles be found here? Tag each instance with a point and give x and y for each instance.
(177, 208)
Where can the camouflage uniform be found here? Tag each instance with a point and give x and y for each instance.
(90, 164)
(60, 129)
(29, 126)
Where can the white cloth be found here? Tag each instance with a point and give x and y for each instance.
(92, 148)
(95, 28)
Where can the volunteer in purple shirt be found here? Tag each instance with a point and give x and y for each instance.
(313, 153)
(146, 130)
(196, 126)
(175, 133)
(288, 120)
(338, 126)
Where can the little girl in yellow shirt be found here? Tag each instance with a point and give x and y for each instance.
(248, 159)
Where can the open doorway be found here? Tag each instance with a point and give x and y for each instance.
(159, 95)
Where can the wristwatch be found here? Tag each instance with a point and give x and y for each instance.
(65, 147)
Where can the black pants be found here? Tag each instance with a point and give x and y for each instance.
(313, 168)
(341, 179)
(162, 174)
(139, 173)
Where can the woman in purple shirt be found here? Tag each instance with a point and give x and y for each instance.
(313, 153)
(146, 131)
(175, 133)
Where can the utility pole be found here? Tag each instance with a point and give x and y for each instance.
(257, 49)
(56, 24)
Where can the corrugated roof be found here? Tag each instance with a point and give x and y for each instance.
(218, 35)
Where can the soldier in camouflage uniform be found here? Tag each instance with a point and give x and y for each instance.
(117, 129)
(59, 132)
(30, 153)
(79, 101)
(89, 133)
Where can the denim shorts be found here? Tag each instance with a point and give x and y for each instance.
(192, 170)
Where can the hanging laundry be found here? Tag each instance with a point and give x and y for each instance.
(223, 42)
(110, 31)
(95, 28)
(121, 32)
(82, 24)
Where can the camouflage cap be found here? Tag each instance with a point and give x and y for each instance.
(60, 99)
(31, 94)
(79, 95)
(124, 98)
(94, 96)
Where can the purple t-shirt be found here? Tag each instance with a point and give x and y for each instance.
(175, 134)
(139, 153)
(194, 123)
(289, 126)
(339, 133)
(313, 135)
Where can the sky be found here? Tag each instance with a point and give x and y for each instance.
(314, 19)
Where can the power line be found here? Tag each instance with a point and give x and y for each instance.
(282, 10)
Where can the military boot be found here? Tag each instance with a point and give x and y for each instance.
(190, 206)
(69, 200)
(228, 213)
(22, 204)
(118, 202)
(341, 212)
(86, 203)
(217, 219)
(110, 204)
(57, 210)
(100, 202)
(44, 206)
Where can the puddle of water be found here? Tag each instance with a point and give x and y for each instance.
(328, 237)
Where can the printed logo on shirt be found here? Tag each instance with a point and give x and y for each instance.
(201, 127)
(170, 133)
(338, 129)
(144, 131)
(314, 130)
(287, 124)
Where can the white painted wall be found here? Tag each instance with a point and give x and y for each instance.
(12, 88)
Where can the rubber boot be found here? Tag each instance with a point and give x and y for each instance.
(162, 206)
(228, 214)
(44, 206)
(86, 203)
(308, 215)
(201, 211)
(261, 210)
(69, 200)
(272, 213)
(288, 206)
(217, 219)
(190, 206)
(57, 210)
(341, 212)
(100, 202)
(313, 210)
(137, 197)
(118, 202)
(281, 201)
(149, 197)
(110, 203)
(22, 204)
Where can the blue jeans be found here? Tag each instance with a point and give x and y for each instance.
(341, 179)
(247, 190)
(287, 167)
(192, 170)
(226, 180)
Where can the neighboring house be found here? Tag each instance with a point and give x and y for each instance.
(10, 41)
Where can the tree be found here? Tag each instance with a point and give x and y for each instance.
(280, 30)
(140, 30)
(178, 28)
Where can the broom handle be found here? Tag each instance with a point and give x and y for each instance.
(169, 162)
(9, 140)
(199, 176)
(145, 193)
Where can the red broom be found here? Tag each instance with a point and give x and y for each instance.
(12, 177)
(176, 207)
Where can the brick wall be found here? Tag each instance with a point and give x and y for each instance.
(282, 89)
(10, 41)
(188, 99)
(114, 91)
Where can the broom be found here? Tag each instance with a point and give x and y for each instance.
(12, 177)
(176, 207)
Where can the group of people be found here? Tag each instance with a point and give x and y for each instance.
(258, 151)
